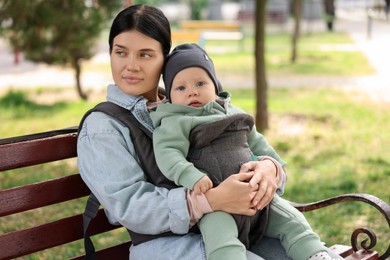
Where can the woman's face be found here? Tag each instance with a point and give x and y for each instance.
(136, 64)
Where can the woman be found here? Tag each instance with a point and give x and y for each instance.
(139, 41)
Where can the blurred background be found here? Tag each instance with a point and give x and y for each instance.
(327, 89)
(363, 21)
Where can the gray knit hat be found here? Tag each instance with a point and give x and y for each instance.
(186, 56)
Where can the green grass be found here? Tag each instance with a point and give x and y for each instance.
(332, 54)
(334, 143)
(16, 107)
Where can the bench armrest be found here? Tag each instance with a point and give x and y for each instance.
(379, 204)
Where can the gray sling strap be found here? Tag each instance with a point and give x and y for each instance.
(91, 210)
(142, 141)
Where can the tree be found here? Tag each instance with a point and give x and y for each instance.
(149, 2)
(196, 7)
(57, 32)
(330, 13)
(296, 8)
(261, 77)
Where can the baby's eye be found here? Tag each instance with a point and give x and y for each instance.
(180, 88)
(200, 83)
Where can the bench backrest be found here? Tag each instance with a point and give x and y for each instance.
(209, 25)
(38, 149)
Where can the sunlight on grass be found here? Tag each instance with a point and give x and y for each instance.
(318, 54)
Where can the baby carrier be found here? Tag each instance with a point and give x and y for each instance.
(143, 145)
(219, 149)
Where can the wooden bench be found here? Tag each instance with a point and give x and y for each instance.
(36, 149)
(201, 31)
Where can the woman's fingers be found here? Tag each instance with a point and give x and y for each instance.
(264, 178)
(234, 195)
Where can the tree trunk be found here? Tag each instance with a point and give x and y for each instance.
(261, 77)
(77, 67)
(330, 13)
(16, 56)
(297, 24)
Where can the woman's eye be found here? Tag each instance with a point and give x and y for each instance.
(145, 55)
(120, 53)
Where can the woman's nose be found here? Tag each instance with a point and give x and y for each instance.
(132, 64)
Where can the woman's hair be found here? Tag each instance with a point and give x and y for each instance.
(145, 19)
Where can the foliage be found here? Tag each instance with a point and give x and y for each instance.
(56, 32)
(150, 2)
(196, 8)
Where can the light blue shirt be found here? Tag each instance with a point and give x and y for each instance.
(110, 167)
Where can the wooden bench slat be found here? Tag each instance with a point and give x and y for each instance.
(26, 241)
(185, 36)
(204, 30)
(209, 24)
(33, 152)
(221, 35)
(41, 194)
(40, 135)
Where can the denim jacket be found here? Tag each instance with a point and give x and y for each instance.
(109, 166)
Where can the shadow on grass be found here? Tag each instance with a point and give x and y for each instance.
(16, 104)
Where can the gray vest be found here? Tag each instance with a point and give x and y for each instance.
(219, 149)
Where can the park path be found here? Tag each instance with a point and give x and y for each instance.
(376, 49)
(27, 74)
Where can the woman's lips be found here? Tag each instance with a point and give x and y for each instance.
(132, 80)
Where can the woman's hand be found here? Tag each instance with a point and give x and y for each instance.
(235, 194)
(265, 178)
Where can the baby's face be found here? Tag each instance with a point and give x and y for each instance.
(192, 87)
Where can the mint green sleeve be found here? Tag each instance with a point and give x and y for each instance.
(171, 144)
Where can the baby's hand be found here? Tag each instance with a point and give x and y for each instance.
(203, 185)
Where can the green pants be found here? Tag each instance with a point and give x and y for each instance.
(220, 236)
(285, 223)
